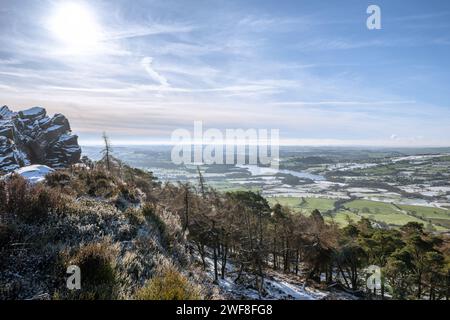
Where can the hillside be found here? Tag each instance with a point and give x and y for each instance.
(121, 228)
(92, 219)
(136, 238)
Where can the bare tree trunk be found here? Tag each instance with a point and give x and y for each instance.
(107, 150)
(186, 209)
(447, 292)
(241, 269)
(354, 278)
(201, 182)
(261, 282)
(330, 273)
(201, 250)
(216, 275)
(343, 275)
(224, 261)
(286, 257)
(419, 285)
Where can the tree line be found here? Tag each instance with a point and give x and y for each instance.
(242, 227)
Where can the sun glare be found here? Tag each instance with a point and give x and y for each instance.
(75, 26)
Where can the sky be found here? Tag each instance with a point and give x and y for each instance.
(312, 69)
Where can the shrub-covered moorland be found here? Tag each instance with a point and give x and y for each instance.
(135, 238)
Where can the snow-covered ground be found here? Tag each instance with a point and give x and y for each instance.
(277, 286)
(419, 157)
(351, 166)
(34, 173)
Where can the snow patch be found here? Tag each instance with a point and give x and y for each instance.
(34, 173)
(33, 111)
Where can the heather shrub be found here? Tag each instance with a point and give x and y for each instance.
(143, 184)
(31, 203)
(7, 234)
(150, 213)
(126, 195)
(40, 202)
(100, 184)
(172, 226)
(101, 188)
(134, 216)
(64, 182)
(98, 275)
(143, 180)
(3, 196)
(16, 190)
(168, 226)
(84, 181)
(58, 179)
(169, 284)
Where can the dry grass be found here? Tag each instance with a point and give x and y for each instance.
(169, 284)
(30, 203)
(42, 226)
(97, 262)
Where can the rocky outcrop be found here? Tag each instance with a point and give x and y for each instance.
(31, 137)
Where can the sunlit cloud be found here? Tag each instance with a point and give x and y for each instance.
(143, 69)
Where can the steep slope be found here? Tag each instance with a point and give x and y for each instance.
(97, 221)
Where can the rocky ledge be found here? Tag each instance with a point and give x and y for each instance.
(32, 137)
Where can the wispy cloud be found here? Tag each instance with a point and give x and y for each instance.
(345, 103)
(147, 65)
(129, 32)
(333, 44)
(10, 62)
(421, 16)
(318, 75)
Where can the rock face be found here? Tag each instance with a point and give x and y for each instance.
(31, 137)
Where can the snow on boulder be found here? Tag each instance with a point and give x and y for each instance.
(31, 137)
(32, 113)
(5, 112)
(35, 173)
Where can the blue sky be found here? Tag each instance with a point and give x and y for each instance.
(140, 69)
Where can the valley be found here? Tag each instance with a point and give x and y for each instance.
(389, 187)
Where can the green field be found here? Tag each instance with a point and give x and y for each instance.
(321, 204)
(225, 186)
(342, 217)
(382, 212)
(440, 218)
(292, 202)
(371, 207)
(304, 205)
(427, 212)
(391, 215)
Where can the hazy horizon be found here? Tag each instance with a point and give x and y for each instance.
(122, 144)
